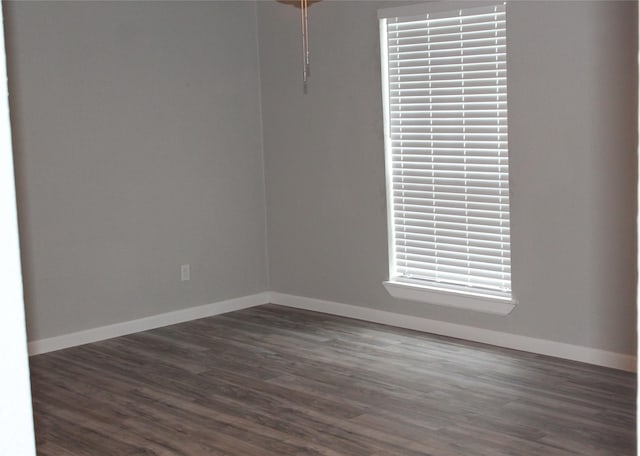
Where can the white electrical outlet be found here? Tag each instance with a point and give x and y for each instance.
(185, 272)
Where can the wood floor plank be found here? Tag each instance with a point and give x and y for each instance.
(273, 381)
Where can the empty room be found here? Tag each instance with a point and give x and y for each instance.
(319, 227)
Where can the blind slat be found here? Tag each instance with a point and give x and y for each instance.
(442, 246)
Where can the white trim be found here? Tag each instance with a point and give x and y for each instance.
(507, 340)
(384, 62)
(447, 298)
(143, 324)
(486, 336)
(433, 7)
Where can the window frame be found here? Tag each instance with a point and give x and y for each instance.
(475, 299)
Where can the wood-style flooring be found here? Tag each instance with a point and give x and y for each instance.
(273, 381)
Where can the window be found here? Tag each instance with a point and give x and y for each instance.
(445, 99)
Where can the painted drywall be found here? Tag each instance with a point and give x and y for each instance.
(137, 148)
(16, 421)
(572, 131)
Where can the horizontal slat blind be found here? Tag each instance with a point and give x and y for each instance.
(447, 148)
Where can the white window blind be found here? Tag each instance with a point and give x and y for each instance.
(445, 93)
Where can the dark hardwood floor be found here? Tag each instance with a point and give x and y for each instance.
(277, 381)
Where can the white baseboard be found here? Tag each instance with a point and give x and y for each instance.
(500, 339)
(506, 340)
(143, 324)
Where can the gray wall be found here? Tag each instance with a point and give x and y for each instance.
(137, 147)
(572, 105)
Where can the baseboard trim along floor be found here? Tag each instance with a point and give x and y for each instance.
(497, 338)
(144, 324)
(500, 339)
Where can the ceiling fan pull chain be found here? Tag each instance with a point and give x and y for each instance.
(306, 35)
(303, 15)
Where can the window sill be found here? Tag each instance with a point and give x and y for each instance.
(478, 303)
